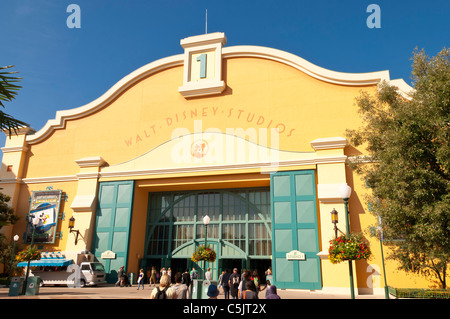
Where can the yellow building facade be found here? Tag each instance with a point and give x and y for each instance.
(250, 136)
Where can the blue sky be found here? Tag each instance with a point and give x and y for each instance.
(63, 68)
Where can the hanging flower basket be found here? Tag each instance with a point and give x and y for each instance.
(28, 254)
(348, 247)
(204, 253)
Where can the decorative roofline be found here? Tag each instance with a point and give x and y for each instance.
(349, 79)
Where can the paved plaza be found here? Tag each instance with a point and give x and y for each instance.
(111, 292)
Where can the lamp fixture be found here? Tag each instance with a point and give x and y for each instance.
(345, 191)
(34, 219)
(71, 226)
(334, 216)
(334, 220)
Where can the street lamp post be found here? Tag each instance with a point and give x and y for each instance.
(206, 221)
(34, 223)
(16, 238)
(345, 192)
(386, 289)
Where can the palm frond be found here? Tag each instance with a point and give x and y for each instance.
(8, 90)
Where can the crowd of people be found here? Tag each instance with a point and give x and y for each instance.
(247, 285)
(233, 285)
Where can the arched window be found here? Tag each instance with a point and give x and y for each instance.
(240, 218)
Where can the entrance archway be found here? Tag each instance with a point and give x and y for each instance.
(240, 227)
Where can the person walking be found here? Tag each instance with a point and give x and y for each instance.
(269, 275)
(256, 280)
(272, 293)
(233, 282)
(246, 276)
(169, 273)
(141, 279)
(225, 283)
(153, 276)
(220, 280)
(186, 280)
(164, 291)
(249, 291)
(208, 275)
(194, 273)
(148, 275)
(119, 276)
(212, 292)
(179, 288)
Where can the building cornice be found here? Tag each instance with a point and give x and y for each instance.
(329, 143)
(95, 161)
(342, 78)
(264, 167)
(14, 149)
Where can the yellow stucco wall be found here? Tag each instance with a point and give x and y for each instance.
(144, 117)
(260, 93)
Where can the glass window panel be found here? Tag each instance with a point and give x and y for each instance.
(282, 186)
(305, 212)
(104, 217)
(119, 241)
(234, 207)
(124, 193)
(304, 185)
(176, 213)
(284, 240)
(261, 200)
(282, 212)
(101, 241)
(309, 270)
(190, 232)
(122, 217)
(284, 269)
(253, 214)
(307, 240)
(107, 196)
(200, 232)
(208, 204)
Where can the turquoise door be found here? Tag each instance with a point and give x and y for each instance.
(294, 228)
(112, 227)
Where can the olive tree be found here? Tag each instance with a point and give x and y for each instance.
(407, 167)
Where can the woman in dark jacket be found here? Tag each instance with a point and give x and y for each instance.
(249, 292)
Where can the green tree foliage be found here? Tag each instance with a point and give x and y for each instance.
(6, 251)
(7, 215)
(8, 91)
(408, 164)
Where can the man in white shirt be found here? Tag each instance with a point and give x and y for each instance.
(208, 274)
